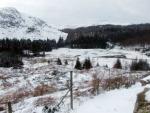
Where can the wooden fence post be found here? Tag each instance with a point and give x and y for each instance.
(71, 90)
(9, 107)
(109, 80)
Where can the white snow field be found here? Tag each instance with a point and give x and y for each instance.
(37, 71)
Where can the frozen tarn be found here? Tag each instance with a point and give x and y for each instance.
(116, 101)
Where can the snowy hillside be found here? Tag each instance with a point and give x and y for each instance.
(14, 24)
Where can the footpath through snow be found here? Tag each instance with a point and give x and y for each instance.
(116, 101)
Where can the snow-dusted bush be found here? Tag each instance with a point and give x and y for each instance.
(16, 96)
(83, 93)
(117, 82)
(95, 84)
(22, 93)
(45, 101)
(43, 89)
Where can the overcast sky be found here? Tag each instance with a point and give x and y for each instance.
(64, 13)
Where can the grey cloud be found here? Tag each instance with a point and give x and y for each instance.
(84, 12)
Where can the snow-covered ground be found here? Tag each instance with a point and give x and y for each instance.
(116, 101)
(38, 71)
(104, 57)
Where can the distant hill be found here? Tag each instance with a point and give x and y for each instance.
(127, 35)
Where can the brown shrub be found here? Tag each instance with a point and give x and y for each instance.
(117, 82)
(45, 101)
(95, 84)
(143, 106)
(18, 96)
(22, 93)
(43, 89)
(2, 107)
(84, 93)
(7, 85)
(15, 96)
(144, 83)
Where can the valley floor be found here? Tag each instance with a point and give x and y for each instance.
(42, 82)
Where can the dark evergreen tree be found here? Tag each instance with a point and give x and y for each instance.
(59, 61)
(78, 64)
(8, 59)
(87, 64)
(61, 42)
(66, 62)
(35, 48)
(118, 64)
(140, 65)
(97, 64)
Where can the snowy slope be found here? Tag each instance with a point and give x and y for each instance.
(116, 101)
(14, 24)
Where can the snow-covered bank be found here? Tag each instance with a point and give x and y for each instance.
(116, 101)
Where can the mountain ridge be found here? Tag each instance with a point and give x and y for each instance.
(14, 24)
(122, 34)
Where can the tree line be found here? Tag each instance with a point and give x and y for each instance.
(136, 65)
(129, 35)
(18, 46)
(86, 42)
(12, 50)
(9, 59)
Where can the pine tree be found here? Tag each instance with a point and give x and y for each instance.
(60, 42)
(87, 64)
(97, 65)
(118, 64)
(139, 65)
(59, 61)
(78, 64)
(66, 62)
